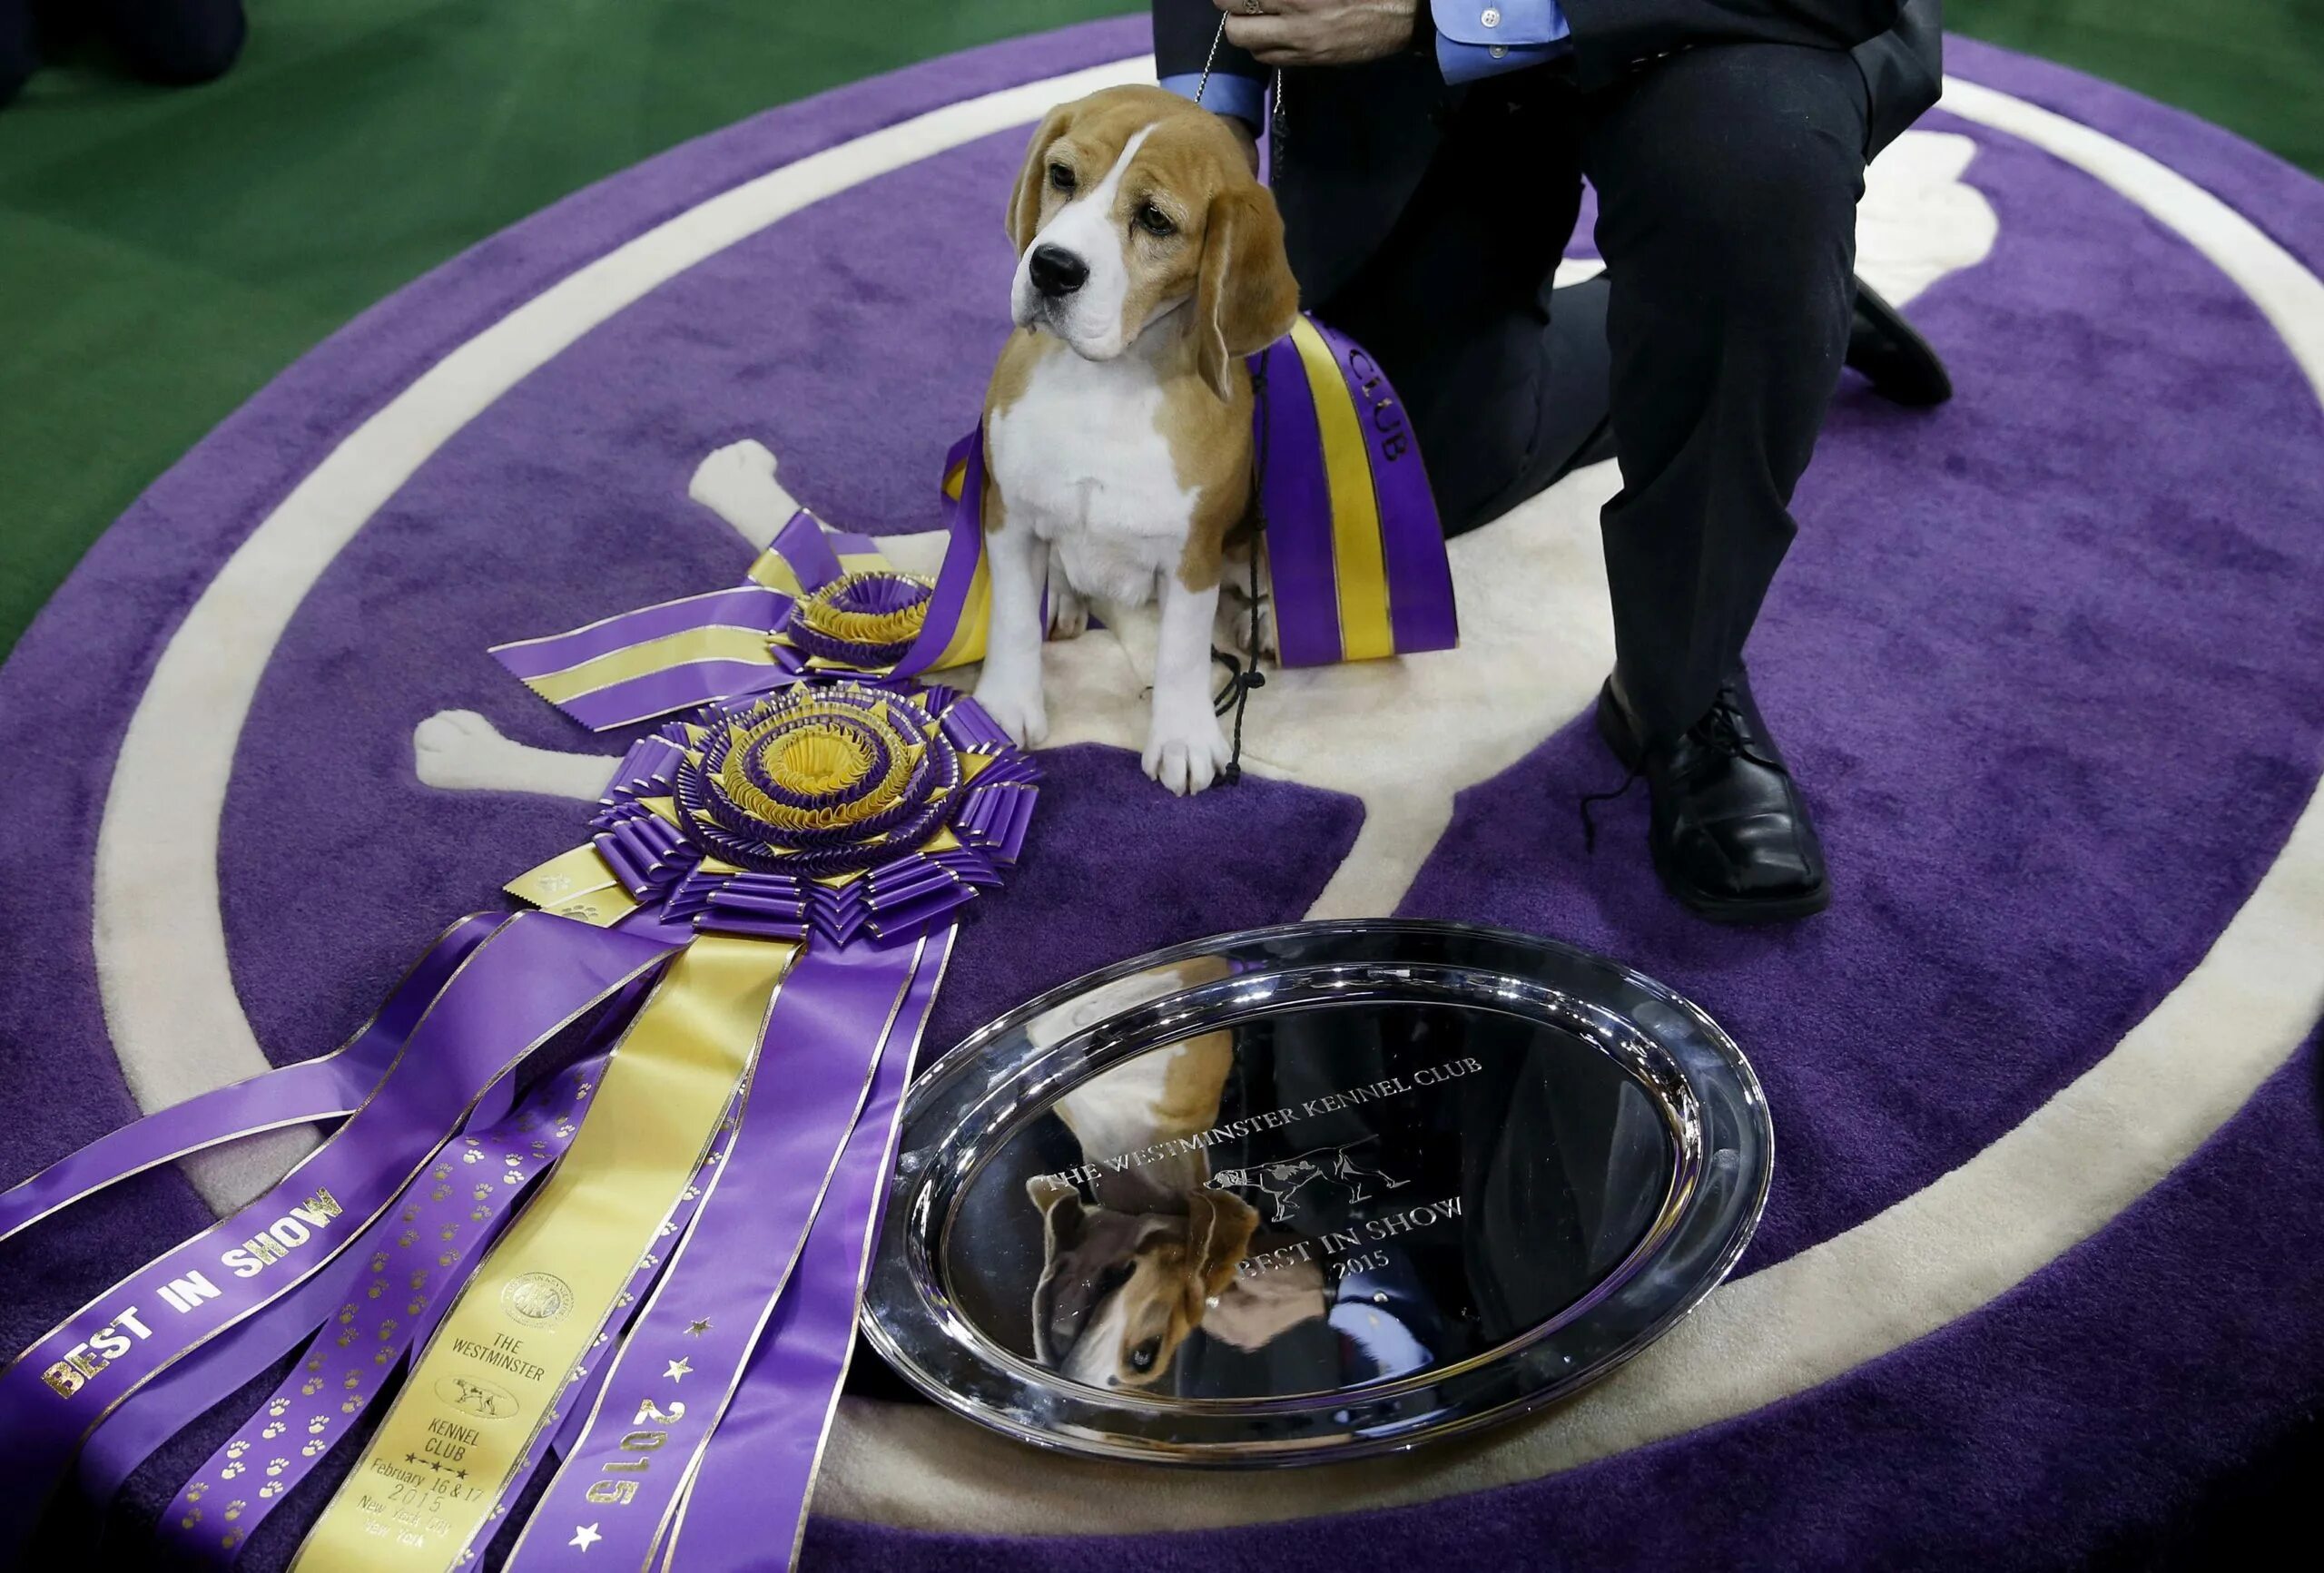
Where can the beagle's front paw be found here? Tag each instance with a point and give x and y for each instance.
(1015, 708)
(1186, 752)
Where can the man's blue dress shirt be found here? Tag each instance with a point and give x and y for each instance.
(1474, 39)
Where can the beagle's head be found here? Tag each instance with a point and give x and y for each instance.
(1120, 1292)
(1133, 204)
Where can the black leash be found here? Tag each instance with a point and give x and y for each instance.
(1236, 695)
(1589, 825)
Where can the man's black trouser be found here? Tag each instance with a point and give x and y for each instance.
(1726, 179)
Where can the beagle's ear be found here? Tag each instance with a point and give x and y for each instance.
(1060, 1206)
(1244, 296)
(1220, 1225)
(1025, 202)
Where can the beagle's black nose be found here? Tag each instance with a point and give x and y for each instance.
(1057, 272)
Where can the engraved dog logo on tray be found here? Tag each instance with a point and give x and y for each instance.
(1282, 1180)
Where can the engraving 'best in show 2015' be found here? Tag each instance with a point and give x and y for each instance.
(84, 1360)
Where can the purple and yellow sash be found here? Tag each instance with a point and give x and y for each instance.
(1354, 549)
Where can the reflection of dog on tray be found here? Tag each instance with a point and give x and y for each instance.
(1131, 1271)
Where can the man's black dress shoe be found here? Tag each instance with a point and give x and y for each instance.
(1730, 835)
(1900, 363)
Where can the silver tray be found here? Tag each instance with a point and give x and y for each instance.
(1312, 1191)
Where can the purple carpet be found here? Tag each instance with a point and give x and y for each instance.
(2050, 660)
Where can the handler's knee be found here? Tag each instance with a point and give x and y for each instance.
(1739, 177)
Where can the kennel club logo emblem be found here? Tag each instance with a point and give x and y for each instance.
(1337, 1170)
(273, 680)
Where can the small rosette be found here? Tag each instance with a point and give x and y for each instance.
(865, 621)
(833, 809)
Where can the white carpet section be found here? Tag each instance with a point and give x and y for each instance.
(2095, 1147)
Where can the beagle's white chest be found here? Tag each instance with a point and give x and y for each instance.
(1081, 456)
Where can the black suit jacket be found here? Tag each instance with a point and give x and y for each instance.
(1361, 136)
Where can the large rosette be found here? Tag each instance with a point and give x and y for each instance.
(830, 808)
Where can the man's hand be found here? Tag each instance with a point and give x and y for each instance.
(1319, 31)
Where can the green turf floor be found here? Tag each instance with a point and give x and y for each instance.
(164, 253)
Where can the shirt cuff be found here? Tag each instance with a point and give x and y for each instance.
(1244, 97)
(1509, 24)
(1481, 38)
(1462, 63)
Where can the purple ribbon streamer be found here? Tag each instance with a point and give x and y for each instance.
(801, 544)
(839, 1011)
(416, 1259)
(752, 1485)
(325, 1088)
(962, 552)
(193, 1386)
(533, 977)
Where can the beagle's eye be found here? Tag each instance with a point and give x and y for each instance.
(1060, 178)
(1143, 1357)
(1154, 221)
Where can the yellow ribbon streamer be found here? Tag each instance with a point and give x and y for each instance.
(483, 1393)
(1359, 556)
(976, 618)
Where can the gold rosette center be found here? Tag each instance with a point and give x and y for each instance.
(817, 762)
(819, 750)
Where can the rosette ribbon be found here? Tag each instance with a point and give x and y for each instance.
(604, 1187)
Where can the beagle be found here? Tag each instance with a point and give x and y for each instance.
(1118, 424)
